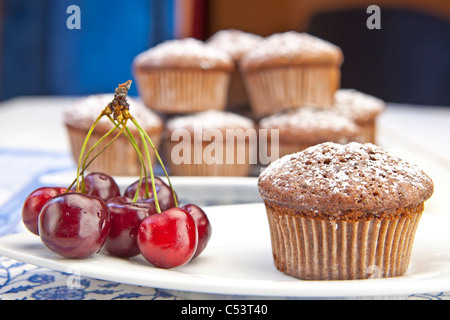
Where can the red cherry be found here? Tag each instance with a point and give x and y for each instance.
(163, 192)
(100, 185)
(168, 239)
(74, 225)
(203, 226)
(34, 203)
(126, 216)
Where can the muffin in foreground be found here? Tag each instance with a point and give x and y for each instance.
(342, 212)
(210, 143)
(290, 70)
(182, 76)
(119, 158)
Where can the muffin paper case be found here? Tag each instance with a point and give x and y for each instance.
(289, 88)
(120, 159)
(209, 166)
(342, 212)
(183, 91)
(314, 249)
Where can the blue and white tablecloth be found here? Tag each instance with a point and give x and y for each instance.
(19, 176)
(21, 281)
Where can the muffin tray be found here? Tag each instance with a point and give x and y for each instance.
(238, 260)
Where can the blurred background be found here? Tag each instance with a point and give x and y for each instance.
(406, 61)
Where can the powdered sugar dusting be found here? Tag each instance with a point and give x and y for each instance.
(187, 52)
(210, 119)
(233, 41)
(291, 47)
(357, 105)
(355, 175)
(309, 119)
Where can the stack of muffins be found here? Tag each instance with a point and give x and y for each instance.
(293, 81)
(286, 83)
(188, 81)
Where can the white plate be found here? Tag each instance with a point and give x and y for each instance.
(238, 263)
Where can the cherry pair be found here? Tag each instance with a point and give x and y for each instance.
(167, 239)
(95, 184)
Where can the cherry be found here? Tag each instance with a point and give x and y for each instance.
(168, 239)
(204, 229)
(100, 185)
(34, 203)
(74, 225)
(126, 216)
(163, 192)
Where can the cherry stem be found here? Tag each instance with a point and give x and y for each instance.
(142, 131)
(143, 170)
(86, 165)
(142, 134)
(97, 143)
(119, 108)
(133, 142)
(80, 158)
(142, 163)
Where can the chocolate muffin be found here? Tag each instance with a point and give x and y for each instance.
(340, 212)
(183, 76)
(290, 70)
(362, 108)
(302, 128)
(210, 143)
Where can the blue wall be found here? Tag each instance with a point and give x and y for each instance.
(41, 56)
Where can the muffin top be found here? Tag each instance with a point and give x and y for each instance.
(310, 125)
(291, 49)
(335, 181)
(208, 120)
(234, 42)
(84, 111)
(357, 105)
(184, 53)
